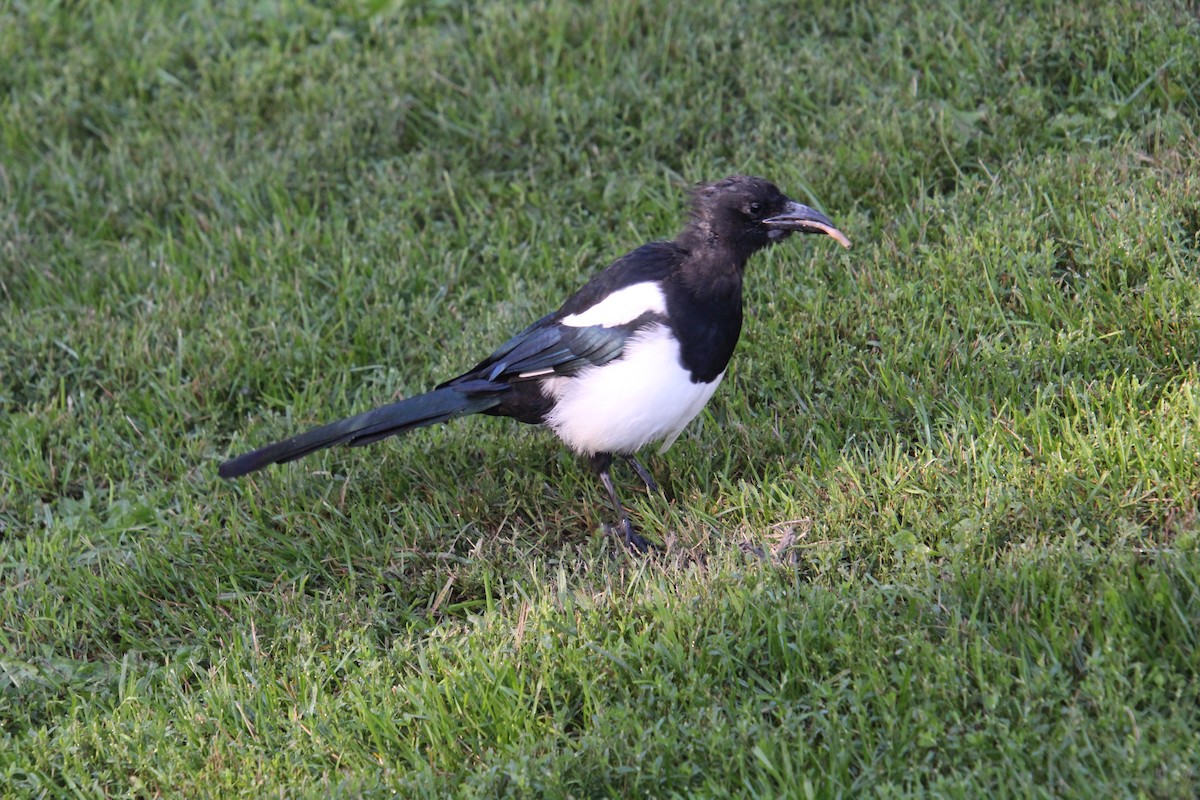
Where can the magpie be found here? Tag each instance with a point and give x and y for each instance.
(626, 361)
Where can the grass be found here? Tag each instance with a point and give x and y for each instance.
(971, 442)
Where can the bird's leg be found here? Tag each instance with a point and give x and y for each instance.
(644, 474)
(600, 463)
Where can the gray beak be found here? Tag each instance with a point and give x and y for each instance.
(802, 219)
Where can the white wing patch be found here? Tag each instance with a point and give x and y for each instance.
(537, 373)
(620, 307)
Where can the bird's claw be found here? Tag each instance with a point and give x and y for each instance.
(636, 542)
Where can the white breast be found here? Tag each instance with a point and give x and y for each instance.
(645, 396)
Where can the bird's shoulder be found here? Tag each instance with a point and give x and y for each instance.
(649, 264)
(592, 326)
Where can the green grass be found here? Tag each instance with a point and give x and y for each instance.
(972, 441)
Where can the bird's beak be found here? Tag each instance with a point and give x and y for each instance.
(803, 219)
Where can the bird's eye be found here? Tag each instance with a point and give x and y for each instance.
(755, 208)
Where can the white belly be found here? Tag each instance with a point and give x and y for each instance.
(645, 396)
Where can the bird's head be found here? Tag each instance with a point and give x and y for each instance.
(748, 214)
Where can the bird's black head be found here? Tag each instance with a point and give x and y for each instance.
(746, 214)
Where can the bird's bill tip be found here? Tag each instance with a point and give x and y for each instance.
(803, 219)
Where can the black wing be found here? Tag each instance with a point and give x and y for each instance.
(549, 348)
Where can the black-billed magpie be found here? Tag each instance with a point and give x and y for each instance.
(628, 360)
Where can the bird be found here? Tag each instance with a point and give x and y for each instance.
(626, 361)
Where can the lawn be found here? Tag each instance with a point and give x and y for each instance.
(935, 535)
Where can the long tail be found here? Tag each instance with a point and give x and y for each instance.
(439, 405)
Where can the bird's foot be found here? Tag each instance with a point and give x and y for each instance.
(633, 540)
